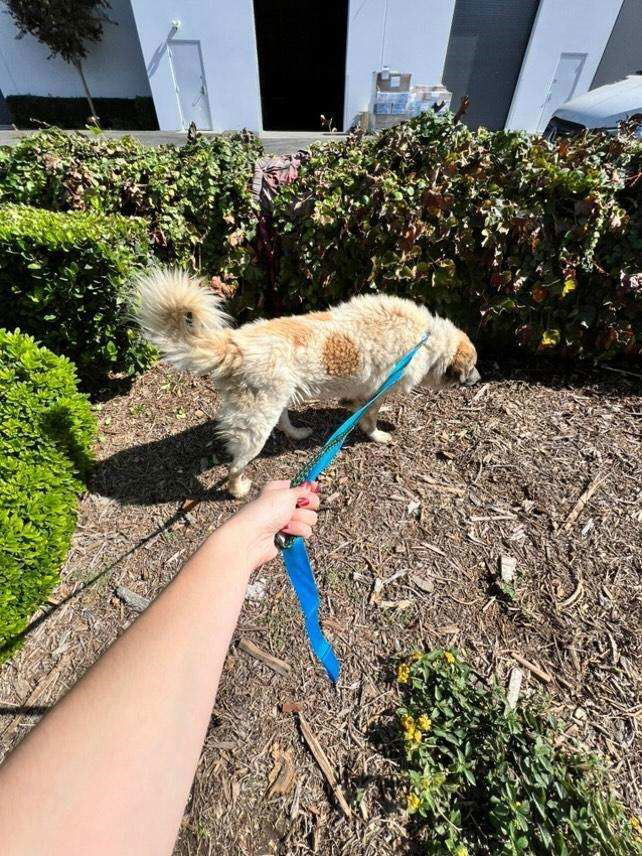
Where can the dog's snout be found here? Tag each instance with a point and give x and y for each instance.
(472, 378)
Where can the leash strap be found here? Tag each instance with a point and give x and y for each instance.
(293, 550)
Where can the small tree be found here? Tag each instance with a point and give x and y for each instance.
(64, 26)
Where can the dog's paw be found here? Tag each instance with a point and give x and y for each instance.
(381, 436)
(239, 487)
(299, 433)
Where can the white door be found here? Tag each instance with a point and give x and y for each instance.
(189, 80)
(563, 85)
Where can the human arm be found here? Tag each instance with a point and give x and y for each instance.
(109, 769)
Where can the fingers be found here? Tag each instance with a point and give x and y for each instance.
(297, 527)
(301, 523)
(308, 494)
(310, 500)
(304, 515)
(305, 490)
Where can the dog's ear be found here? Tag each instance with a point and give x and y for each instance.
(464, 359)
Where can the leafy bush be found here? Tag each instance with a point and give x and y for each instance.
(514, 237)
(486, 780)
(196, 198)
(46, 428)
(64, 279)
(132, 114)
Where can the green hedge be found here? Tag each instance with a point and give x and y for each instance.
(522, 241)
(196, 198)
(46, 429)
(64, 278)
(129, 114)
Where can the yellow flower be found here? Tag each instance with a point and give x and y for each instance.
(461, 851)
(449, 657)
(416, 736)
(407, 722)
(424, 722)
(416, 655)
(426, 782)
(403, 673)
(549, 338)
(413, 802)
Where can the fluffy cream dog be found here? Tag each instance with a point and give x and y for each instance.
(263, 367)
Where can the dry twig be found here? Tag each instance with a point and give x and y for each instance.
(278, 666)
(326, 768)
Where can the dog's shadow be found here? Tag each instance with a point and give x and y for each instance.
(168, 470)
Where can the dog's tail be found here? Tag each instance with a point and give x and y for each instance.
(184, 320)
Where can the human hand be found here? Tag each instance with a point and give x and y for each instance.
(278, 508)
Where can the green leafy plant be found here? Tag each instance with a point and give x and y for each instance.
(196, 198)
(64, 26)
(46, 430)
(484, 779)
(65, 279)
(524, 242)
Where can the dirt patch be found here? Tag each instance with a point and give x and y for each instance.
(473, 475)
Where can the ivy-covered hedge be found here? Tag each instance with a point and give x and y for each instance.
(65, 279)
(196, 198)
(523, 241)
(46, 430)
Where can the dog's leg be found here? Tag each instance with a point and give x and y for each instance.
(290, 430)
(246, 431)
(368, 424)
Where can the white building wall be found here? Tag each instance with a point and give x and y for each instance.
(561, 26)
(228, 46)
(406, 35)
(113, 68)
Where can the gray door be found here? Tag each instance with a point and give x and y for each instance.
(562, 88)
(488, 39)
(189, 80)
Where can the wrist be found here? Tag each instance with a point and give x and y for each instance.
(237, 545)
(228, 546)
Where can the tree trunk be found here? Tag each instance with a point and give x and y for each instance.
(78, 65)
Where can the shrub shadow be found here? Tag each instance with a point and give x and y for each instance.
(168, 470)
(384, 737)
(619, 380)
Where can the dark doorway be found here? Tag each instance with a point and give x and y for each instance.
(488, 39)
(302, 58)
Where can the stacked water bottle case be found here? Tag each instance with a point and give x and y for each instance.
(396, 100)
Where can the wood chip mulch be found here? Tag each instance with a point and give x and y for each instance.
(541, 468)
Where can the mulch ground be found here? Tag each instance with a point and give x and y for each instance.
(407, 556)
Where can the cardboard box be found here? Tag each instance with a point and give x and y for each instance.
(392, 81)
(381, 122)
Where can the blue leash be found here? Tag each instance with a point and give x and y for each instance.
(293, 551)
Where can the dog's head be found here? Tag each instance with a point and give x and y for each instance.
(462, 369)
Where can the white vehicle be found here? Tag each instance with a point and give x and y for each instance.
(604, 107)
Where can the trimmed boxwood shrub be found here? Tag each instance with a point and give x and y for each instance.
(522, 241)
(64, 278)
(195, 198)
(46, 429)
